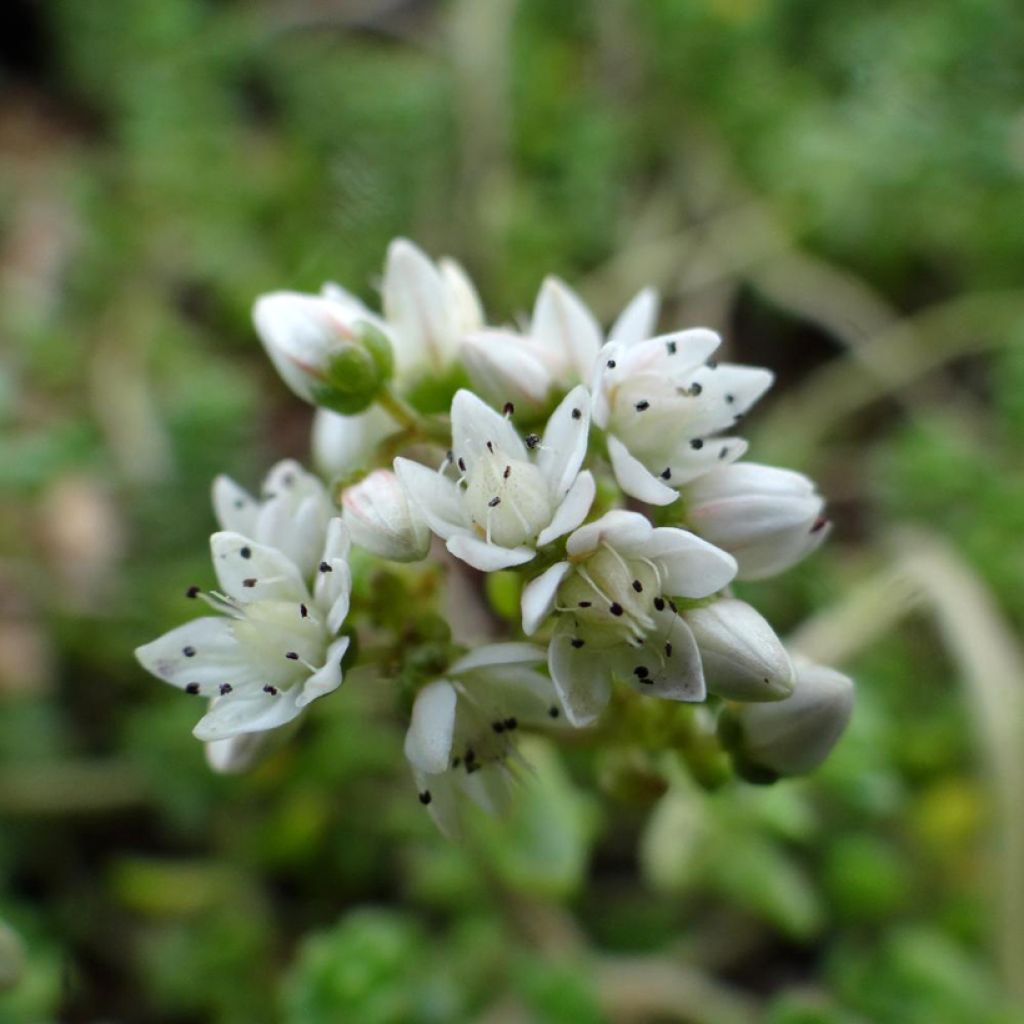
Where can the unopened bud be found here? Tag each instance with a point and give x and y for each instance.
(767, 518)
(795, 735)
(381, 518)
(324, 350)
(505, 367)
(743, 658)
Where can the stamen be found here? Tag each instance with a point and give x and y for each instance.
(509, 409)
(192, 688)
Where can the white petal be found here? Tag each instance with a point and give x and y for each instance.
(728, 392)
(295, 531)
(463, 299)
(493, 655)
(573, 510)
(742, 656)
(503, 369)
(750, 478)
(564, 445)
(338, 542)
(690, 566)
(434, 495)
(203, 652)
(486, 557)
(237, 754)
(668, 665)
(416, 306)
(326, 678)
(619, 528)
(636, 322)
(247, 712)
(234, 507)
(603, 376)
(248, 571)
(342, 444)
(443, 801)
(689, 463)
(298, 333)
(490, 788)
(538, 597)
(795, 735)
(512, 692)
(582, 677)
(474, 424)
(562, 320)
(770, 557)
(428, 741)
(674, 355)
(635, 479)
(333, 592)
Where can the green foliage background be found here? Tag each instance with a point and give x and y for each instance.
(837, 186)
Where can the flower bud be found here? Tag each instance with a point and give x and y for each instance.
(342, 444)
(795, 735)
(505, 367)
(743, 659)
(382, 520)
(767, 518)
(326, 351)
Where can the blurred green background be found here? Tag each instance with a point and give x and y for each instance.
(835, 186)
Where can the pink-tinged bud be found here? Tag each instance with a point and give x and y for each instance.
(329, 352)
(381, 519)
(743, 658)
(767, 518)
(795, 735)
(506, 367)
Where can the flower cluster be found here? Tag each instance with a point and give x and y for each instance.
(601, 472)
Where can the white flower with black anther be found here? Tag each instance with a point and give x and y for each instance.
(616, 616)
(380, 518)
(275, 646)
(557, 349)
(461, 740)
(767, 518)
(742, 656)
(499, 496)
(664, 404)
(291, 514)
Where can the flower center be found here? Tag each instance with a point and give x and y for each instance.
(279, 642)
(612, 596)
(507, 499)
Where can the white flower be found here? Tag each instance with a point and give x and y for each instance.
(795, 735)
(663, 404)
(381, 519)
(511, 496)
(329, 348)
(767, 518)
(743, 659)
(616, 614)
(558, 349)
(428, 307)
(460, 742)
(274, 648)
(342, 444)
(292, 514)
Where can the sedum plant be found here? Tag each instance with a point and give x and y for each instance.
(597, 473)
